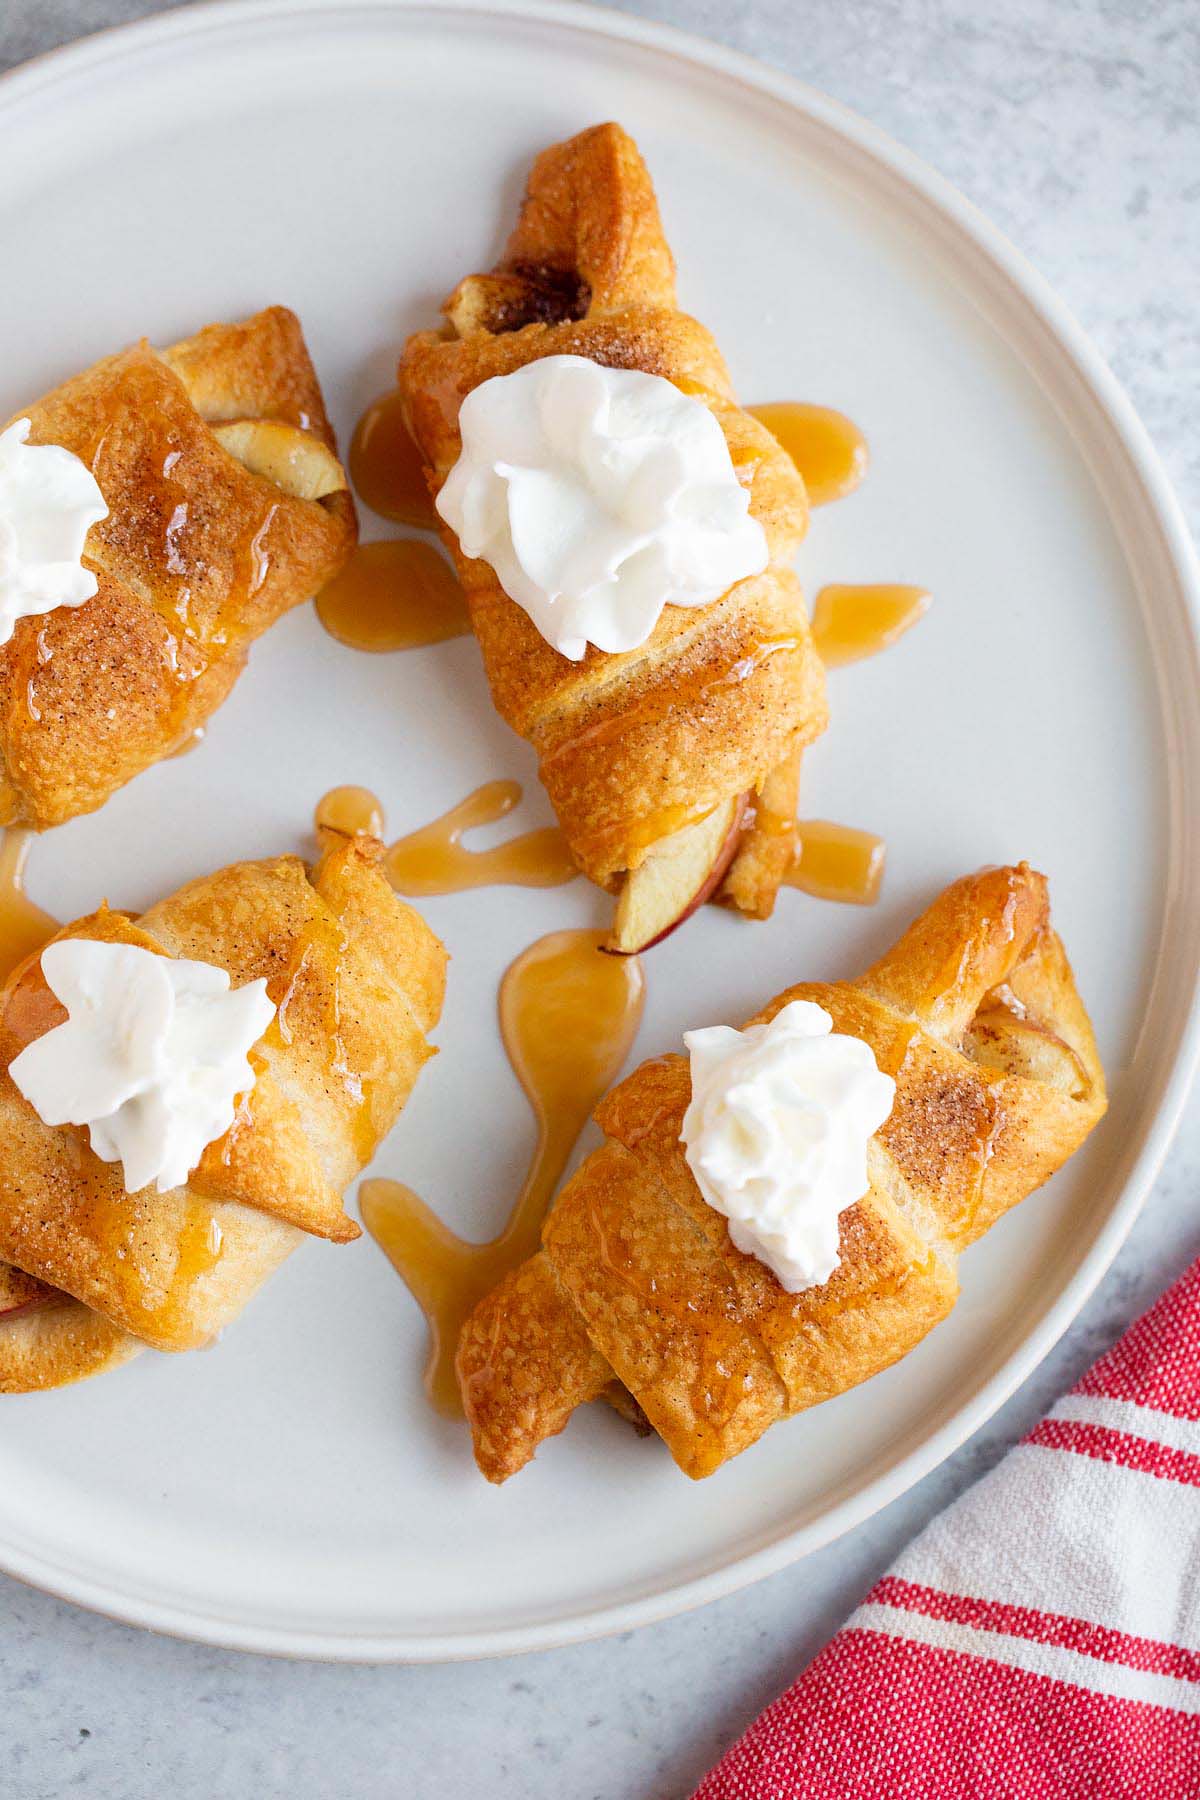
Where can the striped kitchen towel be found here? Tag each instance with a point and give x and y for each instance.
(1041, 1638)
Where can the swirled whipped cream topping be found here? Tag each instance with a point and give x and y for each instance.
(598, 496)
(776, 1134)
(49, 500)
(152, 1057)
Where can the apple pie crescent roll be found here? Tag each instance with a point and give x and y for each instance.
(356, 980)
(226, 506)
(658, 755)
(975, 1016)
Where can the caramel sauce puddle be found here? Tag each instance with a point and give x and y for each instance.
(352, 811)
(397, 594)
(24, 927)
(568, 1017)
(386, 468)
(837, 862)
(828, 448)
(853, 622)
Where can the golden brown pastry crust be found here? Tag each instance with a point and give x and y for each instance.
(197, 557)
(358, 980)
(48, 1340)
(631, 747)
(975, 1014)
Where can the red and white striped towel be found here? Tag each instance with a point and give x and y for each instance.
(1041, 1638)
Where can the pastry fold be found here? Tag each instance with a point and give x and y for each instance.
(358, 980)
(227, 506)
(632, 748)
(975, 1014)
(48, 1340)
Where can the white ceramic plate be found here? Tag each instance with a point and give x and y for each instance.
(289, 1491)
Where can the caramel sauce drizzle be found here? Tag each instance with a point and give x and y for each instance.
(200, 1245)
(386, 467)
(568, 1017)
(655, 705)
(434, 860)
(397, 594)
(828, 448)
(853, 622)
(350, 811)
(191, 742)
(837, 862)
(24, 927)
(833, 862)
(401, 593)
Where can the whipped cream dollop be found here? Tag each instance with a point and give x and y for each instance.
(49, 500)
(152, 1057)
(598, 496)
(776, 1134)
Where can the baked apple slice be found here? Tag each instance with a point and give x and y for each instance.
(1000, 1037)
(679, 875)
(294, 460)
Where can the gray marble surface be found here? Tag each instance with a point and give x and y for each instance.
(1075, 124)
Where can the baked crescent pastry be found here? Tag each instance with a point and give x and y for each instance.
(661, 755)
(226, 507)
(357, 979)
(975, 1015)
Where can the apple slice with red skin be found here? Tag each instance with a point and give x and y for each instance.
(679, 875)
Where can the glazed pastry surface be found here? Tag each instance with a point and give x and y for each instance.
(720, 699)
(975, 1014)
(357, 978)
(227, 506)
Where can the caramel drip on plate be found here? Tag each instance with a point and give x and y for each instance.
(386, 468)
(24, 927)
(833, 862)
(191, 742)
(837, 862)
(433, 860)
(568, 1016)
(397, 594)
(29, 1007)
(828, 448)
(851, 622)
(351, 811)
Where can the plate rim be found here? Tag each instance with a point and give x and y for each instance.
(945, 205)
